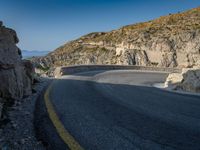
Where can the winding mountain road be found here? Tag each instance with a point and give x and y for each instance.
(107, 110)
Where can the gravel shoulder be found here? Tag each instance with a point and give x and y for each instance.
(19, 133)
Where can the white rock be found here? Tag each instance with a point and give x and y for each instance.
(188, 80)
(173, 79)
(58, 72)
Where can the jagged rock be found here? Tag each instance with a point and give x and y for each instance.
(169, 41)
(15, 75)
(10, 65)
(191, 81)
(135, 57)
(188, 80)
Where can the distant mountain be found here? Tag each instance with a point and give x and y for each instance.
(28, 54)
(168, 41)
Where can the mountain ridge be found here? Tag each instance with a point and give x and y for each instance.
(168, 41)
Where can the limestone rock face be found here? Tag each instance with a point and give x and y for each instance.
(191, 81)
(15, 78)
(169, 41)
(188, 80)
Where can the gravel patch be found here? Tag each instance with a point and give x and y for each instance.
(18, 133)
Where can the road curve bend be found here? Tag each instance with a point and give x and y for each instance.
(107, 110)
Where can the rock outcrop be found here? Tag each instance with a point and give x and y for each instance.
(188, 80)
(169, 41)
(15, 74)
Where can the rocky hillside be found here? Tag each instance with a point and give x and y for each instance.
(169, 41)
(15, 74)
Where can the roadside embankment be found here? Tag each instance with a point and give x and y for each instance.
(19, 131)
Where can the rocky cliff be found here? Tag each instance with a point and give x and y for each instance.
(15, 74)
(169, 41)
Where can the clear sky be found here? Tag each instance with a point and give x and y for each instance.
(47, 24)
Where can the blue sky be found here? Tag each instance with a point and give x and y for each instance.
(47, 24)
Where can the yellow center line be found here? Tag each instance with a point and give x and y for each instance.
(62, 132)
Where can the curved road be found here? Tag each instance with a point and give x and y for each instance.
(118, 110)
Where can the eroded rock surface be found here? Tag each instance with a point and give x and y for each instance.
(188, 80)
(15, 74)
(191, 81)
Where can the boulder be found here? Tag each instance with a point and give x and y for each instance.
(188, 80)
(191, 81)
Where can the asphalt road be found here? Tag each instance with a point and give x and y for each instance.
(107, 110)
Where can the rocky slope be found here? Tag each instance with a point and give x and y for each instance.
(15, 74)
(169, 41)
